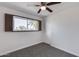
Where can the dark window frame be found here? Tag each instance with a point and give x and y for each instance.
(9, 23)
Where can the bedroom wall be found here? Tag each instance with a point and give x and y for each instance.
(62, 28)
(11, 41)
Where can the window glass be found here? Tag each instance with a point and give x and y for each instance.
(24, 24)
(33, 25)
(19, 24)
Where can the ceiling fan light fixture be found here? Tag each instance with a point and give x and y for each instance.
(43, 7)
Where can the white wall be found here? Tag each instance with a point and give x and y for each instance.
(11, 41)
(62, 28)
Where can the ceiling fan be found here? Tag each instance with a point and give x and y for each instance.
(44, 6)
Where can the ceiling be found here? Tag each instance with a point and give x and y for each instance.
(29, 7)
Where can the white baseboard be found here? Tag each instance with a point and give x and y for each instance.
(7, 52)
(64, 50)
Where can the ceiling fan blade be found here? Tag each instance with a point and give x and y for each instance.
(53, 3)
(39, 10)
(43, 3)
(49, 9)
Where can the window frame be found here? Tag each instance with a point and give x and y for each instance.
(39, 21)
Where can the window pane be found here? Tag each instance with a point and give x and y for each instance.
(19, 24)
(33, 25)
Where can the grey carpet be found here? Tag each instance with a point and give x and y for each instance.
(39, 50)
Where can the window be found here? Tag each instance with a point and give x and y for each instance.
(33, 25)
(25, 24)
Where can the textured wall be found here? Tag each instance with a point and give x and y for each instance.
(62, 29)
(11, 41)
